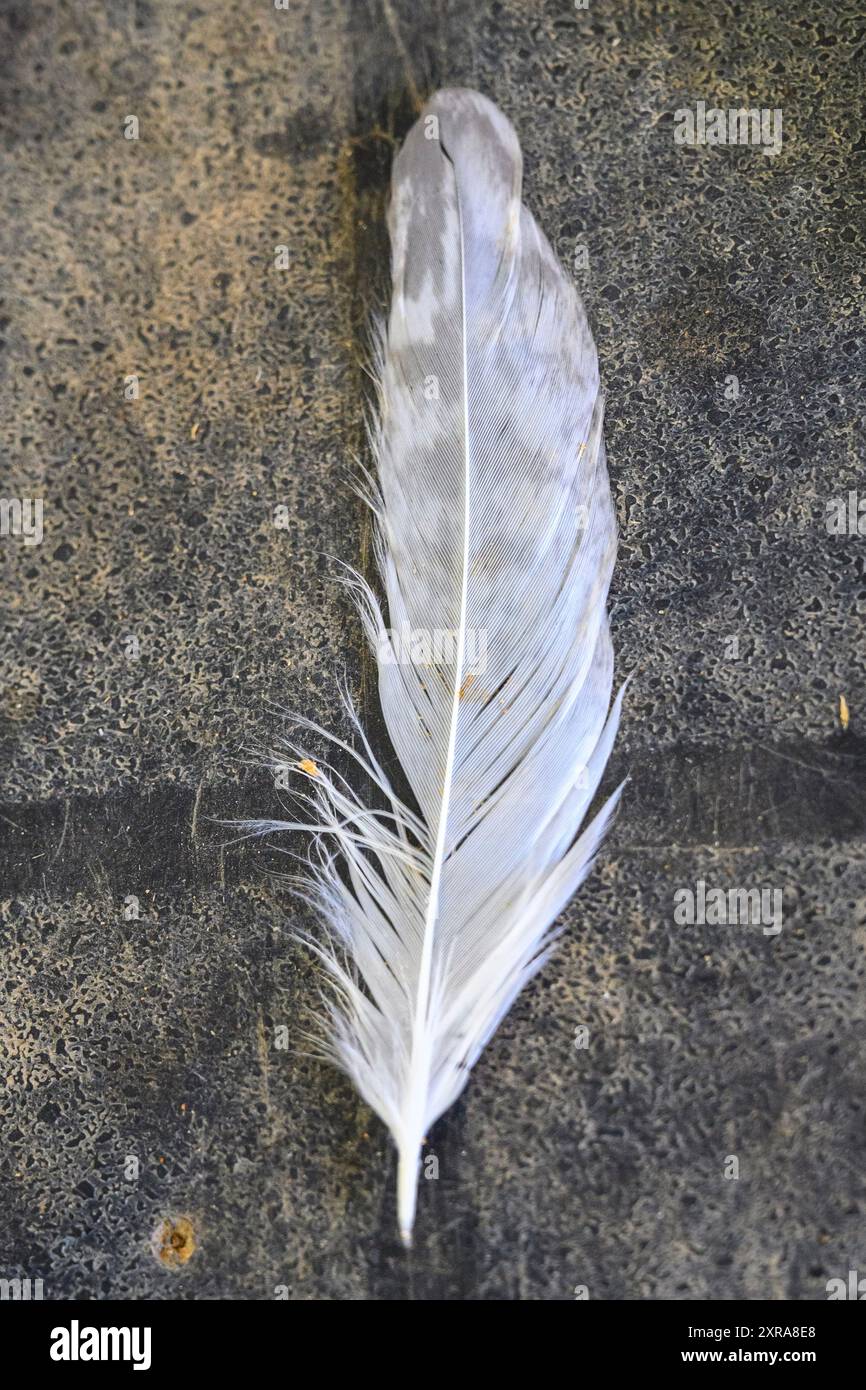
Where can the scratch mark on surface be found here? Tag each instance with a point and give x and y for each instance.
(66, 808)
(391, 21)
(193, 825)
(264, 1071)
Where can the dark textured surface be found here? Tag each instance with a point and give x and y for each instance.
(155, 1039)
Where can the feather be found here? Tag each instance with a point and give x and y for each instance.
(495, 542)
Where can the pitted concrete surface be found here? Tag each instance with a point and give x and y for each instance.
(170, 376)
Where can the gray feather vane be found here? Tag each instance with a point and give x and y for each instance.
(495, 542)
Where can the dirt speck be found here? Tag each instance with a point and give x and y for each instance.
(844, 714)
(173, 1242)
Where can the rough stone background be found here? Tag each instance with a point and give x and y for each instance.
(154, 1040)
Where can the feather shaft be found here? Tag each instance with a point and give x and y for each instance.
(419, 1071)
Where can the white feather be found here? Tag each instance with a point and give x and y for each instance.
(495, 526)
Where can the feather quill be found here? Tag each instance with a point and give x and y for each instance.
(495, 542)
